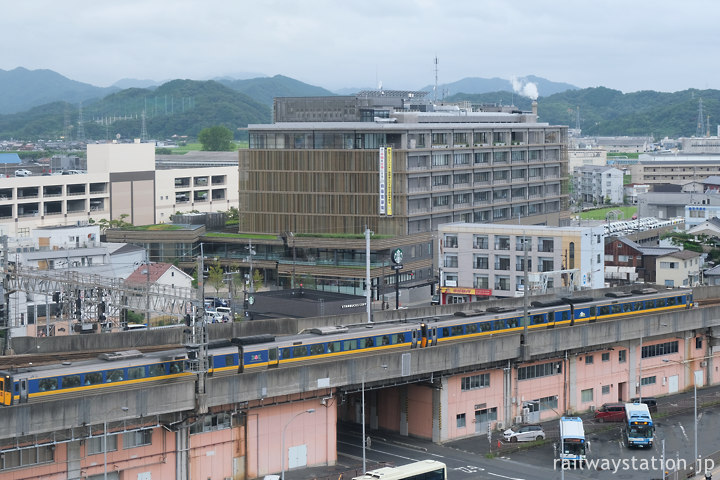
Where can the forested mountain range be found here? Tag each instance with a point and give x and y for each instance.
(184, 107)
(606, 112)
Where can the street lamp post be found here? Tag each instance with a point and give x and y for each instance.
(362, 400)
(695, 416)
(282, 460)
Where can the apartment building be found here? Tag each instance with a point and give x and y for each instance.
(598, 185)
(479, 261)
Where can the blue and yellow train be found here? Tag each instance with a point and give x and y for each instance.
(123, 370)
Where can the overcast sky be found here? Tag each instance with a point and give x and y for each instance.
(626, 45)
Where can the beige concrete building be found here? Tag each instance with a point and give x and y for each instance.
(121, 179)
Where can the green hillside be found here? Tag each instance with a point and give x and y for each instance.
(179, 107)
(604, 111)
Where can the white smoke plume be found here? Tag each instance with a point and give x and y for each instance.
(524, 88)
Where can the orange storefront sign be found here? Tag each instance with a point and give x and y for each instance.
(480, 292)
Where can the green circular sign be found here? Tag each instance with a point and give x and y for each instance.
(397, 256)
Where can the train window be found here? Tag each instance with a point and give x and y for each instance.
(47, 384)
(472, 328)
(351, 345)
(604, 310)
(175, 367)
(93, 378)
(230, 360)
(616, 308)
(486, 326)
(537, 319)
(399, 338)
(445, 332)
(369, 342)
(564, 315)
(299, 351)
(385, 340)
(272, 354)
(71, 381)
(157, 370)
(626, 307)
(456, 330)
(637, 306)
(114, 375)
(672, 301)
(334, 346)
(317, 349)
(513, 322)
(136, 373)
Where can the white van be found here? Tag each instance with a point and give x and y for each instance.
(225, 312)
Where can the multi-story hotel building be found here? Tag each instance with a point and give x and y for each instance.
(399, 166)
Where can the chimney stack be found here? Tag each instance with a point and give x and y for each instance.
(534, 107)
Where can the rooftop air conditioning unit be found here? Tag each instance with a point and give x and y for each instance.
(500, 426)
(518, 419)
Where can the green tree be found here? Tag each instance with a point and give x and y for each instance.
(216, 277)
(120, 222)
(257, 280)
(216, 139)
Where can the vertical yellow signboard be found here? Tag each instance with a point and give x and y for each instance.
(389, 184)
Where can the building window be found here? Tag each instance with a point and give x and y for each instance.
(451, 241)
(481, 262)
(486, 415)
(23, 457)
(660, 349)
(586, 395)
(482, 281)
(648, 380)
(502, 283)
(502, 243)
(539, 370)
(588, 359)
(606, 389)
(94, 445)
(606, 357)
(622, 356)
(474, 382)
(480, 241)
(211, 423)
(451, 261)
(548, 403)
(460, 418)
(698, 342)
(137, 439)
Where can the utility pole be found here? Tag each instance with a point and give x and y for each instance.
(368, 290)
(147, 288)
(5, 320)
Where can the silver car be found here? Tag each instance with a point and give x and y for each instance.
(526, 433)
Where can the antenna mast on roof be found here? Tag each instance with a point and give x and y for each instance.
(436, 84)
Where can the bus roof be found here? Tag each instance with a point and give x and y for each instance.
(572, 427)
(637, 412)
(403, 471)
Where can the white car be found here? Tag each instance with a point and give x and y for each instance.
(526, 433)
(211, 316)
(21, 172)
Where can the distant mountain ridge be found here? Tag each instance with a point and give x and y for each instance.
(472, 85)
(23, 89)
(183, 107)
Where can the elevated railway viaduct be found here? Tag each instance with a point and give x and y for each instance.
(414, 392)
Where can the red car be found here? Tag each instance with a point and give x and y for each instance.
(611, 412)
